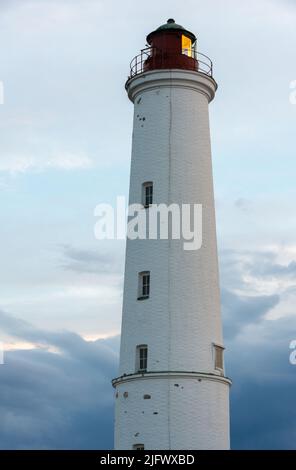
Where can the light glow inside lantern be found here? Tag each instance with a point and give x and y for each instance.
(186, 46)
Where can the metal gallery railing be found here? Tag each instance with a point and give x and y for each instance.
(151, 58)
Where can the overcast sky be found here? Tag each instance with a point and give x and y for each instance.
(65, 140)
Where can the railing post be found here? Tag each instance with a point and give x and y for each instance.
(141, 69)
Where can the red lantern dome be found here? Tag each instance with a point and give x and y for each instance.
(171, 47)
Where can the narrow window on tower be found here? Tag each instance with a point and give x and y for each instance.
(138, 447)
(144, 285)
(218, 357)
(141, 358)
(147, 194)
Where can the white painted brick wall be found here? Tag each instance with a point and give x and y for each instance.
(184, 419)
(181, 320)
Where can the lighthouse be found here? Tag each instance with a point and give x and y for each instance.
(171, 391)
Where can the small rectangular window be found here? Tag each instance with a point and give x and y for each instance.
(147, 194)
(142, 358)
(138, 447)
(218, 357)
(144, 285)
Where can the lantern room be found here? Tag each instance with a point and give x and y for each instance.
(172, 46)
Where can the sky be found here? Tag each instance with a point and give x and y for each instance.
(65, 142)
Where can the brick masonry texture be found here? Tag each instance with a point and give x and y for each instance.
(181, 320)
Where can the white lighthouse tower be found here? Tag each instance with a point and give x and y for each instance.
(171, 392)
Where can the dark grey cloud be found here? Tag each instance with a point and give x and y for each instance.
(257, 353)
(56, 401)
(71, 344)
(263, 391)
(241, 310)
(64, 400)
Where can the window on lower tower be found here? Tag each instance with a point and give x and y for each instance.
(218, 357)
(138, 447)
(147, 194)
(142, 358)
(144, 285)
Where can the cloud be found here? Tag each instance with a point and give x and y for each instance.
(262, 396)
(274, 269)
(240, 310)
(267, 270)
(68, 104)
(59, 394)
(90, 261)
(56, 400)
(64, 400)
(257, 348)
(62, 161)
